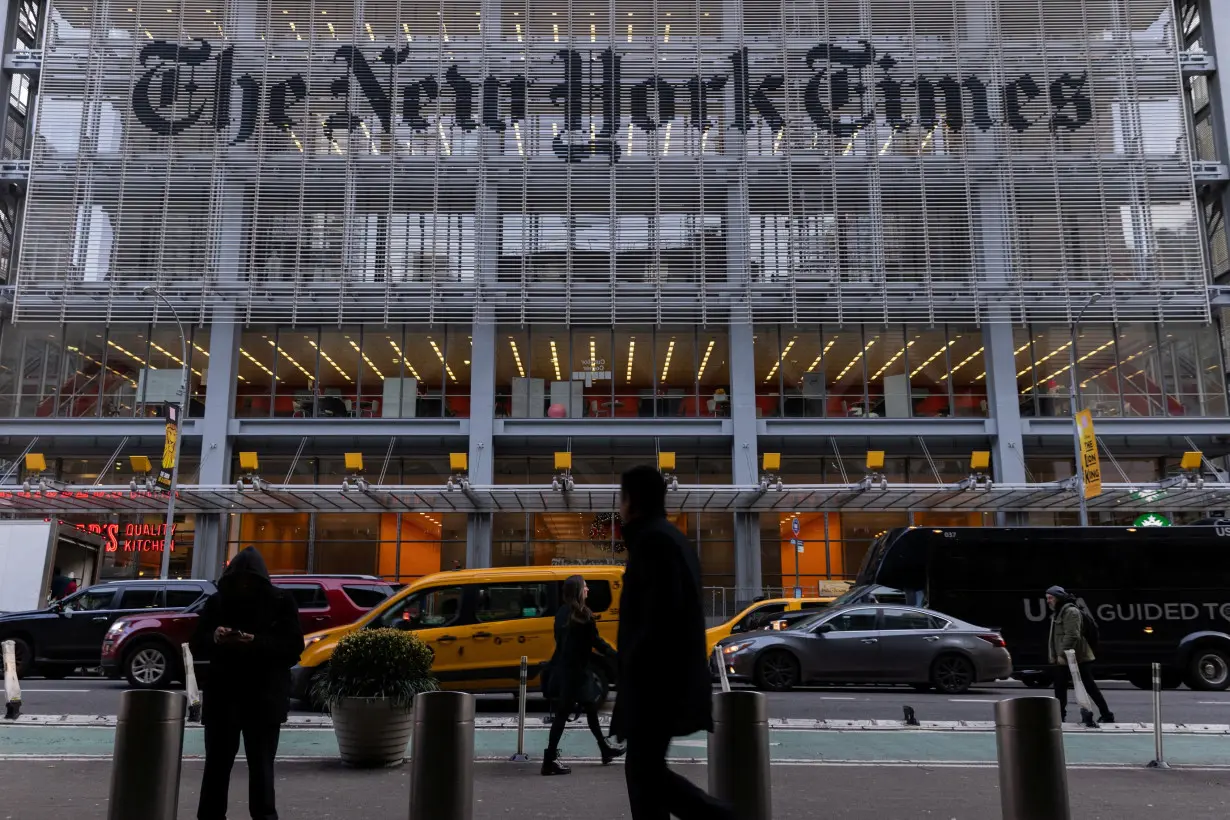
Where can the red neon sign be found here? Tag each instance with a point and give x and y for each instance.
(131, 537)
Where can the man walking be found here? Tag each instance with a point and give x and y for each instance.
(249, 632)
(1068, 632)
(665, 688)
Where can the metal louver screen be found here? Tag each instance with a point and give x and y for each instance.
(614, 161)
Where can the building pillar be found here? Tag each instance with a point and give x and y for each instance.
(481, 451)
(209, 551)
(745, 460)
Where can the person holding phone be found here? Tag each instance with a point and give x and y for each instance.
(249, 632)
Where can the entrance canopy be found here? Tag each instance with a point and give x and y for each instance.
(300, 498)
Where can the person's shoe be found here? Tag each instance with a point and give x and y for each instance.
(1063, 715)
(551, 765)
(1108, 717)
(609, 753)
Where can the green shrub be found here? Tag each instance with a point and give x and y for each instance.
(377, 663)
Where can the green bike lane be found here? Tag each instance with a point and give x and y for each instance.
(786, 746)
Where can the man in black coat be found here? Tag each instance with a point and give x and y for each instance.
(249, 632)
(665, 687)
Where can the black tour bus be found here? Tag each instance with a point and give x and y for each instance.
(1160, 594)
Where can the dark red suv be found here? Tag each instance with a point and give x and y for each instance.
(146, 649)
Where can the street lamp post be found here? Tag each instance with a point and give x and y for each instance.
(165, 570)
(1076, 430)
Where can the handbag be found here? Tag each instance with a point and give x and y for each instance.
(591, 690)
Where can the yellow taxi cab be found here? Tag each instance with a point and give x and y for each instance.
(761, 614)
(479, 623)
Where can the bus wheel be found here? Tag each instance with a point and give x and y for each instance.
(952, 674)
(1209, 670)
(777, 671)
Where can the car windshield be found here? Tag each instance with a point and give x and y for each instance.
(851, 595)
(805, 623)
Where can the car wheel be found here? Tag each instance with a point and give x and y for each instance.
(1036, 681)
(23, 655)
(777, 671)
(952, 674)
(1209, 670)
(149, 666)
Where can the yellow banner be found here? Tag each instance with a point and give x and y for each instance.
(1089, 454)
(168, 447)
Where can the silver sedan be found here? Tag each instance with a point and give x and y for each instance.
(870, 644)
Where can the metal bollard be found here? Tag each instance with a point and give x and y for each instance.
(1033, 777)
(194, 691)
(739, 754)
(721, 666)
(12, 689)
(442, 757)
(149, 749)
(1159, 759)
(521, 756)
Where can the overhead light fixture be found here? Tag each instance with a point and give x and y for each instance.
(410, 367)
(440, 356)
(512, 343)
(1052, 354)
(631, 355)
(781, 358)
(666, 365)
(254, 361)
(130, 355)
(854, 361)
(324, 355)
(933, 357)
(967, 360)
(823, 353)
(889, 363)
(704, 362)
(555, 361)
(291, 359)
(369, 362)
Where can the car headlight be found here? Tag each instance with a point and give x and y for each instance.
(116, 628)
(312, 639)
(734, 648)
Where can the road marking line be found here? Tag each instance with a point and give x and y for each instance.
(836, 698)
(70, 691)
(974, 700)
(1214, 702)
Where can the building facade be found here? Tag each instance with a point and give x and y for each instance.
(714, 229)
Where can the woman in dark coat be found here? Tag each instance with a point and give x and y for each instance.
(571, 684)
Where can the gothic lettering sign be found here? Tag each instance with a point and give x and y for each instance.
(837, 85)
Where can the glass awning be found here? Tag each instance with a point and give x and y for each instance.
(299, 498)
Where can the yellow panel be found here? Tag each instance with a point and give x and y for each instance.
(1192, 460)
(771, 462)
(35, 462)
(354, 462)
(249, 462)
(140, 464)
(458, 462)
(980, 460)
(563, 461)
(666, 461)
(875, 459)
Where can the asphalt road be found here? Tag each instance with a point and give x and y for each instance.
(92, 696)
(51, 790)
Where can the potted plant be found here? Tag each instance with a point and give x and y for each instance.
(369, 688)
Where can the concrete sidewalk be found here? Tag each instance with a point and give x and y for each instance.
(32, 790)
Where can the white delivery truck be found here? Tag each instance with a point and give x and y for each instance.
(29, 553)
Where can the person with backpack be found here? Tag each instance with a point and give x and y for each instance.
(1073, 627)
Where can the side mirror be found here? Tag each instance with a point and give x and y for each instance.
(736, 629)
(823, 628)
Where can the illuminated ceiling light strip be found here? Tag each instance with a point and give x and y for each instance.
(889, 363)
(967, 360)
(1053, 353)
(704, 362)
(255, 361)
(1068, 367)
(92, 360)
(1134, 356)
(823, 353)
(324, 355)
(781, 358)
(666, 365)
(555, 361)
(666, 143)
(854, 361)
(370, 363)
(516, 356)
(440, 356)
(172, 356)
(291, 359)
(410, 367)
(631, 355)
(934, 356)
(200, 350)
(131, 355)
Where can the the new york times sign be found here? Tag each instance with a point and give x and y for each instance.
(197, 85)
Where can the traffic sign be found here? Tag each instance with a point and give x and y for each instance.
(794, 526)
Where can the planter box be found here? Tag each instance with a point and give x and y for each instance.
(371, 733)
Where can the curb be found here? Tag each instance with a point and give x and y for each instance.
(323, 722)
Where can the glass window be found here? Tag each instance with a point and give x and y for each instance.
(911, 619)
(888, 383)
(425, 609)
(91, 600)
(858, 620)
(599, 595)
(307, 596)
(511, 602)
(366, 596)
(143, 597)
(181, 597)
(758, 618)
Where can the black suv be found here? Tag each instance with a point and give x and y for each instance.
(68, 635)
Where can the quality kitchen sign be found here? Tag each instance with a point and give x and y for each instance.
(198, 85)
(131, 537)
